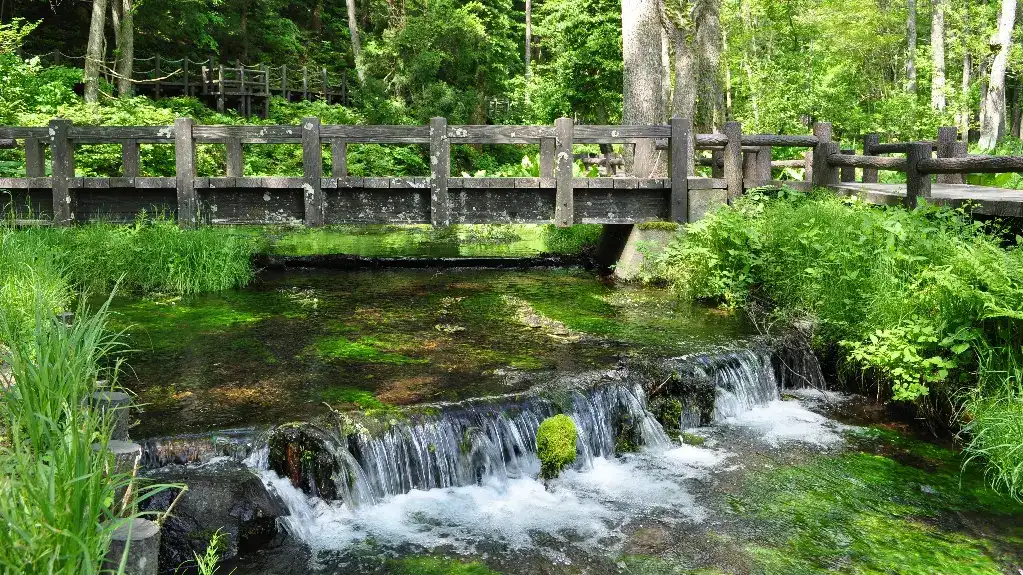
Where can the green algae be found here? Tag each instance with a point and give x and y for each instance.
(359, 397)
(430, 565)
(363, 350)
(899, 506)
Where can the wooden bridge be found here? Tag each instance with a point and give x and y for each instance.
(245, 88)
(738, 162)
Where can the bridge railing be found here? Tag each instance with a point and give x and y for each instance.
(317, 198)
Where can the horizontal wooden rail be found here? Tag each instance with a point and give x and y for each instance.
(972, 165)
(876, 162)
(779, 140)
(898, 147)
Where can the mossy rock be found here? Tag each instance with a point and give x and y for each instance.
(692, 439)
(555, 445)
(300, 452)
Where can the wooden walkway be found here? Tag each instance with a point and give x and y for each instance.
(986, 200)
(327, 194)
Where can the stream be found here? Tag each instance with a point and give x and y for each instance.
(393, 415)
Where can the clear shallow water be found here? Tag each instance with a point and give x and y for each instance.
(293, 343)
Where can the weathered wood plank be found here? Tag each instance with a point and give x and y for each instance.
(918, 184)
(706, 183)
(184, 160)
(596, 134)
(976, 164)
(130, 158)
(499, 134)
(703, 141)
(872, 162)
(312, 171)
(21, 133)
(248, 134)
(35, 158)
(378, 134)
(870, 141)
(235, 162)
(564, 204)
(778, 140)
(115, 134)
(440, 170)
(338, 157)
(682, 149)
(823, 173)
(62, 169)
(947, 136)
(548, 153)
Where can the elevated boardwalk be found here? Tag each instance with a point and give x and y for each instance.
(327, 194)
(985, 200)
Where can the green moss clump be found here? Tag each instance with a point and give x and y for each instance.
(555, 445)
(437, 566)
(366, 350)
(659, 226)
(360, 397)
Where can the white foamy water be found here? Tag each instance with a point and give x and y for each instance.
(586, 508)
(778, 422)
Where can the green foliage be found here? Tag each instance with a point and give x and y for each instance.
(209, 562)
(911, 297)
(555, 445)
(57, 489)
(572, 239)
(995, 418)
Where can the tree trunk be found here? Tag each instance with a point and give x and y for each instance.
(710, 105)
(353, 29)
(683, 95)
(124, 65)
(529, 35)
(911, 46)
(992, 128)
(1014, 96)
(642, 82)
(938, 54)
(94, 50)
(964, 113)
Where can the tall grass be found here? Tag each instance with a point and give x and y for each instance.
(911, 300)
(58, 489)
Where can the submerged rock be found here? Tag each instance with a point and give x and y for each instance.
(222, 495)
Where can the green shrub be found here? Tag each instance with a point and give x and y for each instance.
(570, 240)
(910, 298)
(555, 445)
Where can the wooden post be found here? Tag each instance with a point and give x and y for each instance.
(733, 159)
(220, 88)
(847, 173)
(823, 173)
(763, 173)
(184, 162)
(235, 162)
(959, 150)
(947, 139)
(62, 166)
(305, 83)
(185, 69)
(284, 81)
(808, 166)
(917, 185)
(130, 158)
(266, 91)
(326, 97)
(548, 147)
(564, 203)
(35, 158)
(869, 141)
(312, 171)
(681, 151)
(339, 157)
(717, 163)
(749, 168)
(140, 539)
(157, 74)
(440, 169)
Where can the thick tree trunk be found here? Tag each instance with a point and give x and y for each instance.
(938, 54)
(125, 62)
(992, 128)
(710, 103)
(318, 17)
(1014, 96)
(911, 46)
(94, 50)
(353, 29)
(642, 82)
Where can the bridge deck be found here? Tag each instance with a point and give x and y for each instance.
(990, 201)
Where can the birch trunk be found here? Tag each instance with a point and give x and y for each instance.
(911, 46)
(642, 81)
(353, 28)
(992, 128)
(94, 50)
(938, 54)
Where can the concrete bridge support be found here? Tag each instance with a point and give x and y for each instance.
(626, 249)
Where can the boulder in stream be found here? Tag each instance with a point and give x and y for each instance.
(222, 495)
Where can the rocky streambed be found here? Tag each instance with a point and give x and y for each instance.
(385, 422)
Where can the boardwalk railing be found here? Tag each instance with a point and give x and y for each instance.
(739, 161)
